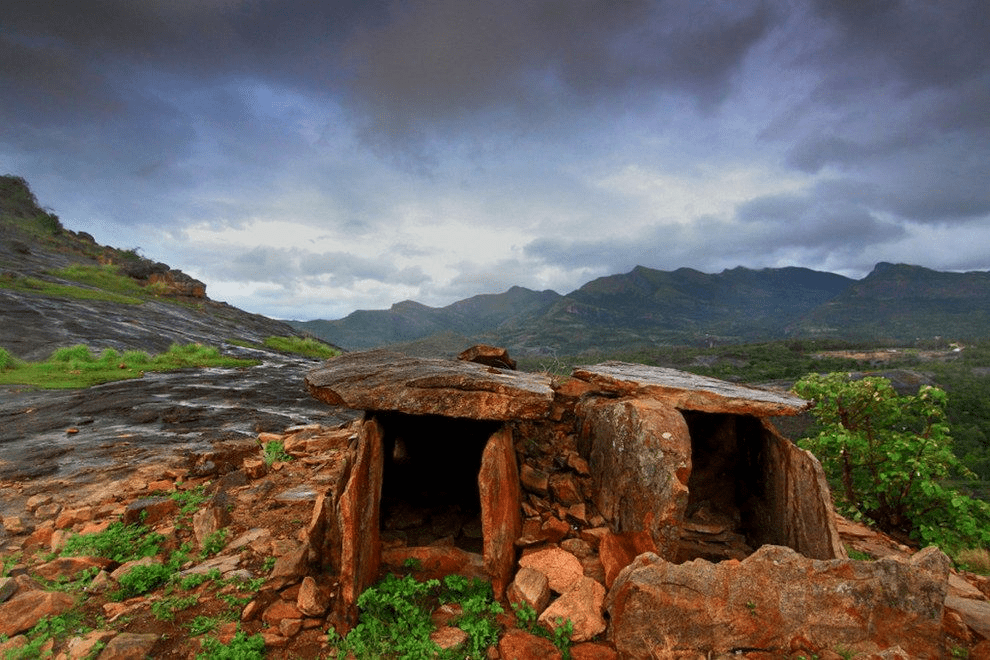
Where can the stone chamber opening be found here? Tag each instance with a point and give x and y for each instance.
(725, 487)
(430, 480)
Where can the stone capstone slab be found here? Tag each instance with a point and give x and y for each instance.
(687, 391)
(383, 380)
(778, 601)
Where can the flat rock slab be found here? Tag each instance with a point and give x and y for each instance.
(687, 391)
(387, 381)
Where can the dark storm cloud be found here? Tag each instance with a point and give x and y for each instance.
(441, 61)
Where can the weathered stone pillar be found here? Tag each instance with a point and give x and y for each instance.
(358, 513)
(501, 504)
(639, 453)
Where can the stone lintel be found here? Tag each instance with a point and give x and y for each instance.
(687, 391)
(382, 380)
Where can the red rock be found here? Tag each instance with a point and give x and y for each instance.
(149, 510)
(593, 651)
(69, 517)
(617, 551)
(25, 609)
(776, 595)
(290, 627)
(278, 610)
(582, 606)
(492, 356)
(313, 600)
(358, 514)
(577, 547)
(254, 468)
(534, 480)
(448, 637)
(130, 646)
(530, 587)
(974, 613)
(554, 529)
(561, 567)
(435, 561)
(84, 646)
(293, 564)
(210, 519)
(501, 522)
(521, 645)
(564, 489)
(41, 536)
(160, 485)
(68, 567)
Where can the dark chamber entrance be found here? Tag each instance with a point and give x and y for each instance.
(430, 480)
(725, 484)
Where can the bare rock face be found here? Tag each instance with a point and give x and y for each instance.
(640, 460)
(686, 391)
(778, 601)
(501, 502)
(384, 380)
(493, 356)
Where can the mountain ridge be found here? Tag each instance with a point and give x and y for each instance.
(894, 303)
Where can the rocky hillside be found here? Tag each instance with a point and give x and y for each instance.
(644, 307)
(59, 287)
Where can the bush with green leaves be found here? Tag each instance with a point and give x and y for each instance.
(118, 542)
(887, 457)
(241, 647)
(274, 451)
(394, 619)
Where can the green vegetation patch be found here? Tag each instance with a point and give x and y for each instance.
(307, 346)
(35, 286)
(77, 366)
(118, 542)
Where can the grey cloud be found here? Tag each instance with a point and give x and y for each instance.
(284, 266)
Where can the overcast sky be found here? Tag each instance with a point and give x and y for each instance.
(307, 158)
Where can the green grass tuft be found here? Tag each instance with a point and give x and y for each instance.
(307, 346)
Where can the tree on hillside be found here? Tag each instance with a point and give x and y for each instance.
(887, 457)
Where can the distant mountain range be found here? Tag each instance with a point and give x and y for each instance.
(895, 303)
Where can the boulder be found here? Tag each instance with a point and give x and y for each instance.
(129, 646)
(582, 606)
(530, 587)
(521, 645)
(383, 380)
(491, 356)
(974, 613)
(776, 596)
(687, 391)
(24, 610)
(640, 458)
(561, 567)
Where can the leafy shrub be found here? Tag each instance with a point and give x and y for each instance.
(55, 627)
(887, 457)
(118, 542)
(142, 579)
(241, 647)
(274, 451)
(165, 609)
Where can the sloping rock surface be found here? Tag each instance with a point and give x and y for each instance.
(383, 380)
(686, 391)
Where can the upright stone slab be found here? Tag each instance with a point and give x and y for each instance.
(384, 380)
(359, 511)
(501, 504)
(639, 453)
(687, 391)
(795, 506)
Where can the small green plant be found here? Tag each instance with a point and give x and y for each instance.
(166, 608)
(241, 647)
(8, 361)
(141, 579)
(751, 606)
(189, 501)
(193, 580)
(214, 543)
(268, 564)
(560, 635)
(274, 451)
(201, 625)
(118, 542)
